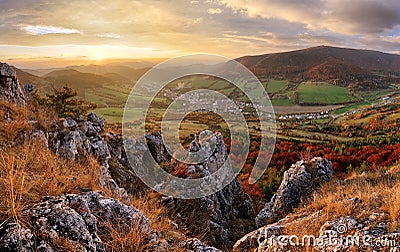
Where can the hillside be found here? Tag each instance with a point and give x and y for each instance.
(65, 178)
(316, 77)
(359, 69)
(132, 71)
(76, 79)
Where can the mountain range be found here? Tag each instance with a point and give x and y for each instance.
(351, 68)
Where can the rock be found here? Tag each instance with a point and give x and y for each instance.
(70, 123)
(97, 121)
(298, 184)
(227, 214)
(10, 88)
(28, 88)
(100, 149)
(339, 234)
(195, 245)
(157, 147)
(245, 210)
(72, 145)
(370, 237)
(74, 217)
(75, 138)
(258, 239)
(16, 238)
(119, 166)
(194, 146)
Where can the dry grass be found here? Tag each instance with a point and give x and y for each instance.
(132, 238)
(123, 238)
(28, 169)
(31, 171)
(375, 193)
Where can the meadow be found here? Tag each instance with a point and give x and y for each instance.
(322, 94)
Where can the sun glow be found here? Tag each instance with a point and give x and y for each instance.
(99, 56)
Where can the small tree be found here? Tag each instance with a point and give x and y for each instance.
(64, 103)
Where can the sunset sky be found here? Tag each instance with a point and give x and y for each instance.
(49, 33)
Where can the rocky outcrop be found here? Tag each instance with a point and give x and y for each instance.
(10, 88)
(73, 139)
(226, 215)
(369, 235)
(341, 234)
(119, 166)
(82, 222)
(196, 245)
(73, 219)
(157, 147)
(298, 184)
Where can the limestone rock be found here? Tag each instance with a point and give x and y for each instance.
(10, 88)
(298, 184)
(119, 166)
(16, 238)
(336, 235)
(195, 245)
(157, 147)
(73, 217)
(75, 138)
(227, 214)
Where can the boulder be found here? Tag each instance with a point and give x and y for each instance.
(340, 234)
(73, 218)
(72, 139)
(157, 148)
(10, 88)
(195, 245)
(299, 182)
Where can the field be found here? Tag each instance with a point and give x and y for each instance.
(323, 93)
(293, 109)
(274, 86)
(286, 97)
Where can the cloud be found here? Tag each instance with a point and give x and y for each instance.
(44, 30)
(213, 11)
(230, 27)
(341, 16)
(110, 35)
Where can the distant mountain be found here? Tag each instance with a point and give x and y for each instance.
(37, 73)
(134, 64)
(61, 73)
(117, 78)
(42, 85)
(126, 71)
(76, 79)
(359, 69)
(25, 77)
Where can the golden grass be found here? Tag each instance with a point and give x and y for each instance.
(31, 171)
(123, 238)
(375, 193)
(132, 238)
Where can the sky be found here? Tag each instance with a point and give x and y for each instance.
(40, 33)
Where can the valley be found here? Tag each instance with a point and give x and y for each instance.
(321, 113)
(354, 127)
